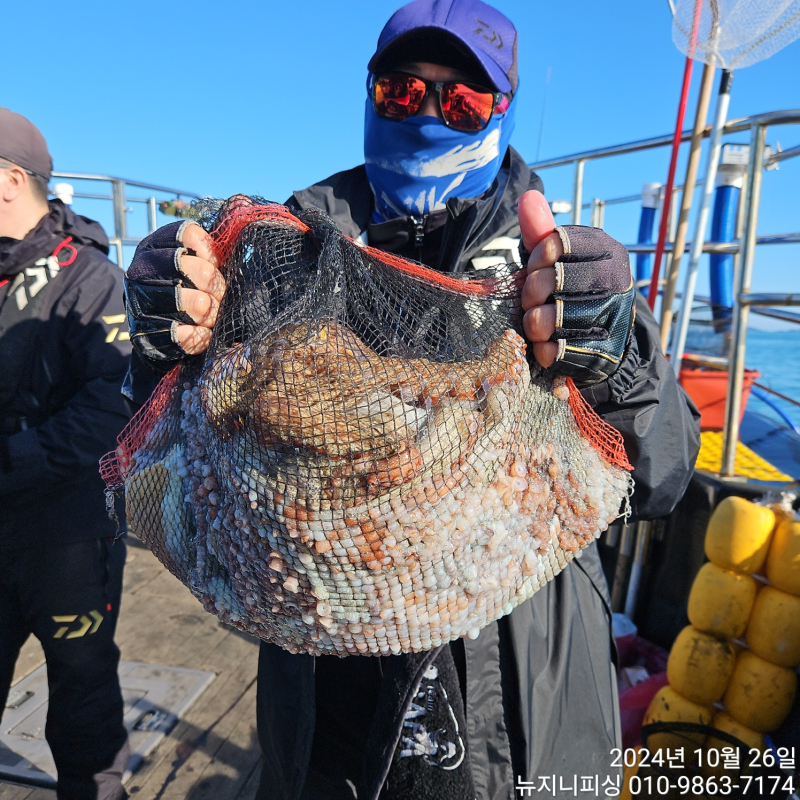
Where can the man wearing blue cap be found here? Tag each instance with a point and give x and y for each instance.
(535, 693)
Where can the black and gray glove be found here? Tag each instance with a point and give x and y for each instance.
(153, 285)
(594, 298)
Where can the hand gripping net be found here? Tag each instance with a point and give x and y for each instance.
(363, 461)
(734, 34)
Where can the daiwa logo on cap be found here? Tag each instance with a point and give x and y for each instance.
(483, 27)
(488, 35)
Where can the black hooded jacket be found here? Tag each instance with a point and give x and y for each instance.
(64, 352)
(538, 685)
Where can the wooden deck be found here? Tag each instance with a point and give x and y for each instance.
(212, 753)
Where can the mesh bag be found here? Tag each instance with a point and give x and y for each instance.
(734, 34)
(363, 461)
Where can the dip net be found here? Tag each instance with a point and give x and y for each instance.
(364, 460)
(734, 34)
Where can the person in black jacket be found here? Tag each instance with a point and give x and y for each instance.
(534, 696)
(64, 351)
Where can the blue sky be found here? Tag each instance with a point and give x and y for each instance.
(266, 97)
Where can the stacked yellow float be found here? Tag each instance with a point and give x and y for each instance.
(707, 664)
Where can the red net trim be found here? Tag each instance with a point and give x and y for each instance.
(113, 465)
(485, 287)
(241, 213)
(605, 439)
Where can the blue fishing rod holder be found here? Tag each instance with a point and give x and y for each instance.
(730, 176)
(651, 200)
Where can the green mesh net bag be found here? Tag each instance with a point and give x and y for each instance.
(364, 460)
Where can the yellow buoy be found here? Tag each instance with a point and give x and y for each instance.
(727, 724)
(700, 666)
(774, 628)
(669, 706)
(714, 763)
(759, 694)
(738, 534)
(783, 561)
(721, 600)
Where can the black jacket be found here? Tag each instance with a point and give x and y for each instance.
(539, 685)
(64, 351)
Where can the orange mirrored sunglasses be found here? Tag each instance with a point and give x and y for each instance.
(465, 107)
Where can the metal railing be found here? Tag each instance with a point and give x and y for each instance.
(742, 298)
(744, 249)
(120, 200)
(579, 160)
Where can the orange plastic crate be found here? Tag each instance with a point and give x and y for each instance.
(707, 388)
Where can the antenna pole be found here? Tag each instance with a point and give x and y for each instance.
(544, 109)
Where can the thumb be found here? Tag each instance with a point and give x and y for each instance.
(535, 219)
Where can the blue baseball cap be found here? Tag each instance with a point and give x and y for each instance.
(486, 34)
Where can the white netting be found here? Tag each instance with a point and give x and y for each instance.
(736, 33)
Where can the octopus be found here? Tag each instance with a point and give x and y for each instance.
(325, 391)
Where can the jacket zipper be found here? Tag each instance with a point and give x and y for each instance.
(419, 231)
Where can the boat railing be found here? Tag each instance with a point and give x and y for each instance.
(120, 202)
(743, 249)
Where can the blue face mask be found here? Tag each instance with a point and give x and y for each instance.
(416, 165)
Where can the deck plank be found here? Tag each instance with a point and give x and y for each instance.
(213, 750)
(217, 761)
(41, 794)
(15, 791)
(138, 571)
(196, 758)
(30, 657)
(196, 749)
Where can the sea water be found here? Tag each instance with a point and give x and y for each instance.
(776, 355)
